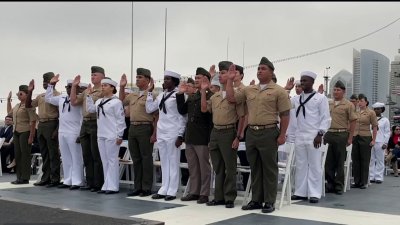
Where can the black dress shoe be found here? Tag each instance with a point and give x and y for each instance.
(63, 186)
(202, 199)
(268, 208)
(85, 188)
(339, 192)
(145, 193)
(252, 205)
(41, 183)
(111, 192)
(216, 202)
(190, 197)
(378, 182)
(157, 196)
(74, 187)
(20, 182)
(229, 204)
(101, 192)
(314, 200)
(134, 193)
(169, 198)
(94, 189)
(355, 185)
(53, 184)
(364, 186)
(372, 181)
(296, 197)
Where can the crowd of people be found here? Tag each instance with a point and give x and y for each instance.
(214, 114)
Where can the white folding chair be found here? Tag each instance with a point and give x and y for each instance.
(347, 169)
(324, 150)
(124, 164)
(285, 169)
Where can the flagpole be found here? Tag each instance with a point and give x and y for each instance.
(165, 39)
(132, 49)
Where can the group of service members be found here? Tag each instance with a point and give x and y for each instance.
(211, 117)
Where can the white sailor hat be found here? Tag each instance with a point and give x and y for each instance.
(215, 80)
(308, 74)
(297, 82)
(128, 90)
(110, 82)
(378, 105)
(172, 74)
(70, 81)
(83, 85)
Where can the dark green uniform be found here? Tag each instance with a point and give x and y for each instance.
(22, 118)
(342, 113)
(223, 157)
(88, 139)
(140, 148)
(263, 106)
(47, 135)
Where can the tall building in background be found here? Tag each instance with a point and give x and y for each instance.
(371, 75)
(347, 78)
(394, 108)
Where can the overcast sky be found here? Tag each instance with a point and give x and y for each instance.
(68, 37)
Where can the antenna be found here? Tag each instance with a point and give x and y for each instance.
(165, 39)
(227, 49)
(243, 55)
(132, 49)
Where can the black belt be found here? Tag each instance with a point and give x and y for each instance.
(262, 127)
(89, 119)
(136, 123)
(222, 127)
(47, 119)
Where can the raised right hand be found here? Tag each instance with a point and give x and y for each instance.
(151, 85)
(31, 85)
(55, 79)
(77, 80)
(212, 71)
(9, 95)
(183, 87)
(205, 83)
(232, 72)
(123, 81)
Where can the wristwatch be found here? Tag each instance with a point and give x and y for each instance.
(320, 133)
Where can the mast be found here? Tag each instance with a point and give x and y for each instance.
(165, 39)
(132, 49)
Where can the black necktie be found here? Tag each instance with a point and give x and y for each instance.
(66, 102)
(303, 103)
(162, 103)
(100, 107)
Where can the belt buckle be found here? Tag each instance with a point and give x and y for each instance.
(256, 128)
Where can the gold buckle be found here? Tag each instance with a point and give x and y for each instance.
(256, 128)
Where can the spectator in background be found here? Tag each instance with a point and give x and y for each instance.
(7, 149)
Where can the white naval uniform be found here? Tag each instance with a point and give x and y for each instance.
(70, 121)
(308, 177)
(169, 127)
(377, 163)
(110, 126)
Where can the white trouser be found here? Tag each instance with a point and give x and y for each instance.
(72, 160)
(109, 157)
(308, 177)
(170, 160)
(377, 164)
